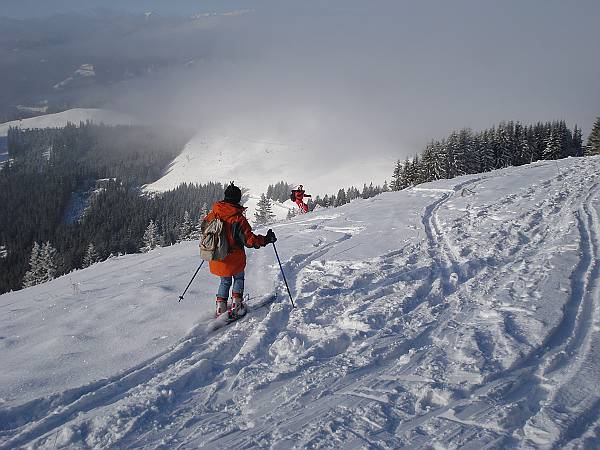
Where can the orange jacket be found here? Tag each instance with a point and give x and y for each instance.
(239, 234)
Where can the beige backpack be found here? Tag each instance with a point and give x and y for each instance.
(213, 240)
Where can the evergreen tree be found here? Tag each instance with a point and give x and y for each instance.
(428, 163)
(396, 178)
(291, 213)
(504, 146)
(577, 142)
(341, 197)
(552, 149)
(264, 214)
(186, 228)
(35, 273)
(593, 143)
(487, 151)
(196, 231)
(48, 262)
(438, 157)
(151, 237)
(91, 256)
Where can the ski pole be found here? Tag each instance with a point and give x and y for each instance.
(190, 283)
(283, 274)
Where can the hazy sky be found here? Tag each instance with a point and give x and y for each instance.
(385, 74)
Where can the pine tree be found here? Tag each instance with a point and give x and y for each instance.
(186, 228)
(396, 177)
(593, 143)
(341, 197)
(291, 213)
(48, 262)
(91, 256)
(151, 237)
(577, 142)
(34, 274)
(197, 229)
(504, 153)
(552, 149)
(264, 214)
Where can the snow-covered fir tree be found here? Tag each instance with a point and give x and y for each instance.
(151, 237)
(577, 143)
(91, 256)
(593, 143)
(341, 197)
(34, 275)
(552, 149)
(42, 265)
(291, 214)
(264, 214)
(48, 261)
(196, 230)
(397, 177)
(186, 228)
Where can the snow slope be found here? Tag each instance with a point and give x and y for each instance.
(459, 314)
(72, 115)
(256, 163)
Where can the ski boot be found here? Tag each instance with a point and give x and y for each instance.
(221, 306)
(238, 309)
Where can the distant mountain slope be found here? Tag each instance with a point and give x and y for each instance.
(256, 163)
(460, 313)
(72, 115)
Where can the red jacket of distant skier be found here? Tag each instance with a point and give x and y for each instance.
(299, 195)
(239, 235)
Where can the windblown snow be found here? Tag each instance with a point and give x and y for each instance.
(458, 314)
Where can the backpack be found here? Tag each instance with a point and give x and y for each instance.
(293, 196)
(213, 240)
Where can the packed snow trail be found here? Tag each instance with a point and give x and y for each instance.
(459, 314)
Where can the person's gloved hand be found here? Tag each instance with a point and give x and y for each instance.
(270, 237)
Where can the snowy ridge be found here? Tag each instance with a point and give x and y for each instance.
(462, 312)
(73, 116)
(255, 163)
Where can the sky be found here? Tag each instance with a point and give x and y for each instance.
(378, 75)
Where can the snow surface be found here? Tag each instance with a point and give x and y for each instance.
(459, 314)
(75, 116)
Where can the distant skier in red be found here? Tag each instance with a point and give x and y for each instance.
(298, 197)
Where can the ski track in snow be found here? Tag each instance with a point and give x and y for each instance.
(478, 330)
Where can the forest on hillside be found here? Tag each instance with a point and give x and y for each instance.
(80, 185)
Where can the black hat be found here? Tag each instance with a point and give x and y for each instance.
(233, 194)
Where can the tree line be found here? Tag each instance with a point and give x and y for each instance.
(508, 144)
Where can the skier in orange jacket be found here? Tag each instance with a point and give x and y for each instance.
(239, 235)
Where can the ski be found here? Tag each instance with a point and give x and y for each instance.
(225, 319)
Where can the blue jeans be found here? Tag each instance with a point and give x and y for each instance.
(238, 285)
